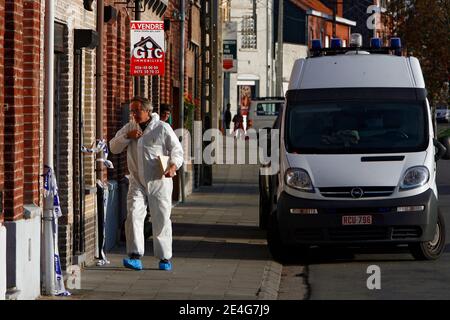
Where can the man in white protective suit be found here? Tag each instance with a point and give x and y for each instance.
(146, 138)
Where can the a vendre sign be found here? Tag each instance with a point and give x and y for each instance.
(147, 48)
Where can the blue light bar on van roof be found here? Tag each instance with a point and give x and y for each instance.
(316, 44)
(396, 43)
(375, 43)
(336, 43)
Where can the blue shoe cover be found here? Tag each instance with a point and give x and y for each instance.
(165, 265)
(134, 264)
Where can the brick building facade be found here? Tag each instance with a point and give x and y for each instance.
(22, 126)
(20, 74)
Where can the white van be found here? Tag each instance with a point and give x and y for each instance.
(357, 155)
(263, 112)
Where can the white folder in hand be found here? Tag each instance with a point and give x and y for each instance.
(164, 162)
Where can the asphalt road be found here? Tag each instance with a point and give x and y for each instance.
(342, 273)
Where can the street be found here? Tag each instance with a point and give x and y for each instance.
(342, 274)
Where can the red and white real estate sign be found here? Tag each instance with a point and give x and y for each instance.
(147, 48)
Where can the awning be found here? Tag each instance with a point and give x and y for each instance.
(246, 83)
(328, 17)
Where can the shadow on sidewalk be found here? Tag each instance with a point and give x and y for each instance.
(228, 188)
(212, 241)
(221, 249)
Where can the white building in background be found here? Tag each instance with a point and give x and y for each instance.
(255, 73)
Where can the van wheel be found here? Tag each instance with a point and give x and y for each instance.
(281, 252)
(433, 249)
(264, 211)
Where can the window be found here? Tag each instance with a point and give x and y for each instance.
(248, 32)
(268, 109)
(226, 10)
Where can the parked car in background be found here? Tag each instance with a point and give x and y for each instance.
(267, 182)
(263, 112)
(442, 114)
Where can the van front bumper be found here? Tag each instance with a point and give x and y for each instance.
(387, 226)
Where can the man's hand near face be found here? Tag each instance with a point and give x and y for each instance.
(171, 171)
(134, 134)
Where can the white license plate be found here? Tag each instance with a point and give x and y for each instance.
(356, 220)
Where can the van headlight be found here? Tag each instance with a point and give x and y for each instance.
(415, 177)
(298, 179)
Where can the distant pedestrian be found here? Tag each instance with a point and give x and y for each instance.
(228, 117)
(238, 121)
(165, 113)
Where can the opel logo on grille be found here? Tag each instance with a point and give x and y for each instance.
(357, 193)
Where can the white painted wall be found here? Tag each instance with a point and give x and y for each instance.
(23, 256)
(2, 262)
(257, 63)
(291, 52)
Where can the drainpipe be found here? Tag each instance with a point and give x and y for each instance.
(137, 17)
(99, 83)
(182, 49)
(280, 49)
(48, 248)
(268, 53)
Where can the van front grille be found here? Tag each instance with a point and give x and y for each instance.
(406, 232)
(308, 234)
(356, 192)
(358, 233)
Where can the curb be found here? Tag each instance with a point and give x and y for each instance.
(270, 282)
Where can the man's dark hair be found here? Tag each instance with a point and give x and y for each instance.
(165, 107)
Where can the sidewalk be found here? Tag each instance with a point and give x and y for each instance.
(219, 252)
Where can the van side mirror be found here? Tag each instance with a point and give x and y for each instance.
(445, 141)
(442, 151)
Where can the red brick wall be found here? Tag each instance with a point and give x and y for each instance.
(112, 89)
(172, 57)
(123, 80)
(128, 78)
(14, 130)
(2, 122)
(317, 24)
(31, 77)
(118, 84)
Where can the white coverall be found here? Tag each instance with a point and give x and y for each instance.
(147, 186)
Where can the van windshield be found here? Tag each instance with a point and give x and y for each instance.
(356, 127)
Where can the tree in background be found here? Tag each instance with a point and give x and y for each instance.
(424, 26)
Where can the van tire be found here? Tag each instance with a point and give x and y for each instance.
(281, 252)
(278, 251)
(431, 250)
(265, 206)
(264, 211)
